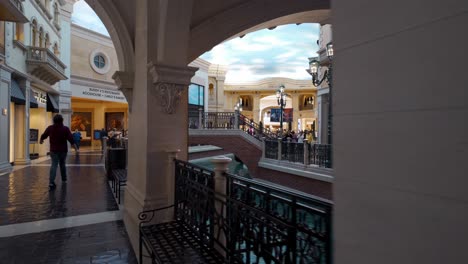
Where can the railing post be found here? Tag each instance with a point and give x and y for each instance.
(306, 152)
(263, 147)
(280, 140)
(220, 182)
(236, 119)
(200, 118)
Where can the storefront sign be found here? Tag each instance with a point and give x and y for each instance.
(98, 94)
(40, 97)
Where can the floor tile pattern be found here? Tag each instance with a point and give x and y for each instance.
(73, 158)
(91, 244)
(25, 197)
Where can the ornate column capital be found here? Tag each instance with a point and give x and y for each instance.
(125, 82)
(168, 84)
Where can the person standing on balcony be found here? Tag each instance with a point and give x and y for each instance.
(59, 135)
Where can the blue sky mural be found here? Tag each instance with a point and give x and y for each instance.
(282, 52)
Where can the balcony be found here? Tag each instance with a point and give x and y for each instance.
(244, 220)
(43, 64)
(12, 10)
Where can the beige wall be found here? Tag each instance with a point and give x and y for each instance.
(83, 43)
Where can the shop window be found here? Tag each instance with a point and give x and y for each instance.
(99, 61)
(196, 94)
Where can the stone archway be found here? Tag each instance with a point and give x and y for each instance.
(115, 25)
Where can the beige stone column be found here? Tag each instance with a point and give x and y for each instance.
(220, 167)
(5, 115)
(256, 108)
(159, 106)
(22, 126)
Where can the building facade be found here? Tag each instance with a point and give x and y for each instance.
(259, 102)
(97, 101)
(35, 77)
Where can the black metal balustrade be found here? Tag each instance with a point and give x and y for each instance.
(310, 219)
(219, 120)
(251, 223)
(254, 129)
(305, 153)
(271, 149)
(320, 154)
(228, 120)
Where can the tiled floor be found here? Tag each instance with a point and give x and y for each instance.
(81, 218)
(98, 243)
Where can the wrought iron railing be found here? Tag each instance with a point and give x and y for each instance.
(254, 128)
(271, 149)
(310, 218)
(253, 222)
(219, 120)
(320, 154)
(305, 153)
(36, 54)
(229, 120)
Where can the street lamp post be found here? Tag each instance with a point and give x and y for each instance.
(314, 65)
(281, 98)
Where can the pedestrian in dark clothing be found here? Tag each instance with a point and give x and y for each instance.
(59, 135)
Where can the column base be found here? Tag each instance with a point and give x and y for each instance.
(5, 167)
(22, 162)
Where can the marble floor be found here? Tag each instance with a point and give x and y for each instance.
(78, 222)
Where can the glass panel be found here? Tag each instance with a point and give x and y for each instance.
(202, 95)
(193, 94)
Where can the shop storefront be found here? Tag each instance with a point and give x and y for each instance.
(95, 109)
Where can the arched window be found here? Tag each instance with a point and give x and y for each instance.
(211, 89)
(56, 49)
(47, 41)
(19, 32)
(56, 13)
(34, 33)
(41, 37)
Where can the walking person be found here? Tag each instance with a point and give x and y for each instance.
(77, 139)
(59, 135)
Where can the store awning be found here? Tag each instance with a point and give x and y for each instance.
(33, 101)
(17, 96)
(52, 105)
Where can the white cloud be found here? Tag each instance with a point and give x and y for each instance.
(84, 16)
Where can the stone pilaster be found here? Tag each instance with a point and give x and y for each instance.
(125, 83)
(22, 126)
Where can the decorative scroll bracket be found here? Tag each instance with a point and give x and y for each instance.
(169, 83)
(125, 82)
